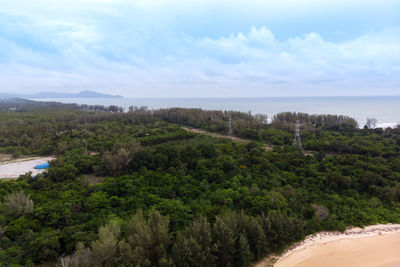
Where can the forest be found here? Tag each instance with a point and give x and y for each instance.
(136, 189)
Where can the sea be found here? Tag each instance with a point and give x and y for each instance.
(386, 109)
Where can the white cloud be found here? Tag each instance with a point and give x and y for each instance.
(135, 52)
(304, 58)
(72, 31)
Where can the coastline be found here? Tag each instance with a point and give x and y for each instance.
(386, 109)
(324, 238)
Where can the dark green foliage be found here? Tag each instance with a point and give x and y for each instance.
(243, 124)
(148, 240)
(244, 255)
(326, 121)
(224, 248)
(193, 246)
(170, 198)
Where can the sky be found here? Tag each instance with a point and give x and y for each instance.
(201, 48)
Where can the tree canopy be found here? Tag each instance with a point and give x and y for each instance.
(135, 189)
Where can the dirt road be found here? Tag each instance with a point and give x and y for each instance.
(233, 138)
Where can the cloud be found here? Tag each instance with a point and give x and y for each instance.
(120, 48)
(308, 58)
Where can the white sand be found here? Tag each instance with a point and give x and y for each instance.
(14, 168)
(376, 245)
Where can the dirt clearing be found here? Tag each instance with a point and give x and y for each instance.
(5, 157)
(93, 179)
(15, 168)
(233, 138)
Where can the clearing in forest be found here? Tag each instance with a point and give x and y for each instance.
(233, 138)
(15, 168)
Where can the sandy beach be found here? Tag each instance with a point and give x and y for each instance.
(376, 245)
(14, 168)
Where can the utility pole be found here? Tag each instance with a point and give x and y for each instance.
(297, 139)
(230, 126)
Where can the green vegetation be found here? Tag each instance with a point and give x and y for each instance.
(173, 198)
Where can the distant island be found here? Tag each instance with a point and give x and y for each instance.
(82, 94)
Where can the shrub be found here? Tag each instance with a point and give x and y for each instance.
(19, 203)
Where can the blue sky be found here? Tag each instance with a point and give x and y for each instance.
(176, 48)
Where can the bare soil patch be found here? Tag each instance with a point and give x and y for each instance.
(268, 147)
(268, 261)
(309, 153)
(233, 138)
(92, 179)
(15, 168)
(201, 131)
(5, 157)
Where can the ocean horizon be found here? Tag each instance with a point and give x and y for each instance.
(386, 109)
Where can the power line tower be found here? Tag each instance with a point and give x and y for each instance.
(230, 126)
(297, 139)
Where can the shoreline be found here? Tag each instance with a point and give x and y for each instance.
(325, 237)
(264, 105)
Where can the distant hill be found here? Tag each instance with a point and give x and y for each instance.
(6, 96)
(83, 94)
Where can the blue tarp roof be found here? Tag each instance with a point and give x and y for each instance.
(42, 166)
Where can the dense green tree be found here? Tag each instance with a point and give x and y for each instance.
(218, 202)
(104, 250)
(18, 203)
(149, 239)
(193, 247)
(224, 243)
